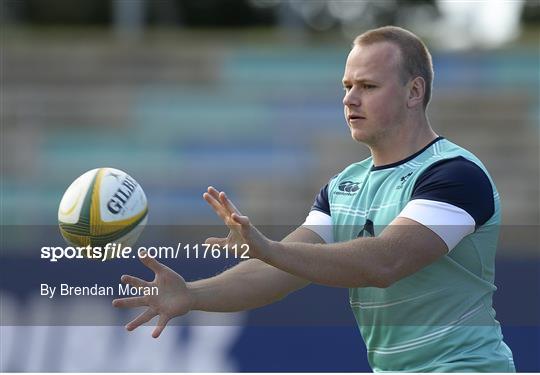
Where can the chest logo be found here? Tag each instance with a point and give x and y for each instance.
(348, 188)
(403, 179)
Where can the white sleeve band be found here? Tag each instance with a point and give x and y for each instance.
(320, 223)
(449, 222)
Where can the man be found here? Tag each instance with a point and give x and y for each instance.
(412, 231)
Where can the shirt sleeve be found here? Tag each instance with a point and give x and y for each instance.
(319, 219)
(452, 197)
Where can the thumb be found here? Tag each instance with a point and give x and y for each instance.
(241, 219)
(216, 241)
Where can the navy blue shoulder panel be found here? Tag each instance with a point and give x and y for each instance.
(459, 182)
(321, 201)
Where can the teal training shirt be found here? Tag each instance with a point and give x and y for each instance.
(440, 318)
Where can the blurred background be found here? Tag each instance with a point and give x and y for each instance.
(246, 95)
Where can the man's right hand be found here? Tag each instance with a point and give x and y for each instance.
(173, 298)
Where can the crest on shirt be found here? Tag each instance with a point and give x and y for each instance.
(403, 179)
(348, 188)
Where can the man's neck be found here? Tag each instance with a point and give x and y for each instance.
(401, 146)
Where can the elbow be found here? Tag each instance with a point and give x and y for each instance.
(382, 270)
(383, 282)
(387, 269)
(384, 278)
(380, 279)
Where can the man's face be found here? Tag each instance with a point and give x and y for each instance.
(375, 101)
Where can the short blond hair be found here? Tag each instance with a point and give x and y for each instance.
(415, 57)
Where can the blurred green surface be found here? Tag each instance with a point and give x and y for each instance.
(253, 112)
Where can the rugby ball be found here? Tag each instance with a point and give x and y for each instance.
(104, 205)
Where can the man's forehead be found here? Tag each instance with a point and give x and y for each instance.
(376, 58)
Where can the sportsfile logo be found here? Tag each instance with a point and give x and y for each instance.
(348, 188)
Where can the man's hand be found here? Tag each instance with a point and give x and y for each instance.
(173, 299)
(241, 230)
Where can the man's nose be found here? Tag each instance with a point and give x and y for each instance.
(351, 98)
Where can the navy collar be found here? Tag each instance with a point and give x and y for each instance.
(392, 165)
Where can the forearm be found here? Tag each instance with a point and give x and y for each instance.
(359, 263)
(253, 283)
(246, 286)
(402, 249)
(250, 284)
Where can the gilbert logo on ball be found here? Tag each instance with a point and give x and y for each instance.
(104, 205)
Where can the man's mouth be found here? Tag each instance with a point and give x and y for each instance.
(353, 117)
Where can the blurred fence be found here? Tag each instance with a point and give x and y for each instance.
(257, 116)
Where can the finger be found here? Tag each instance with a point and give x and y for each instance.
(162, 322)
(219, 208)
(213, 192)
(228, 204)
(129, 302)
(216, 241)
(134, 281)
(216, 205)
(223, 199)
(141, 319)
(151, 263)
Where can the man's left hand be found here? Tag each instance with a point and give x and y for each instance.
(241, 231)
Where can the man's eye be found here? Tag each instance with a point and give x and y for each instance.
(346, 88)
(368, 87)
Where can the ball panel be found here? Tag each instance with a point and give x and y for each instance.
(129, 206)
(112, 232)
(130, 238)
(72, 200)
(125, 236)
(74, 239)
(121, 197)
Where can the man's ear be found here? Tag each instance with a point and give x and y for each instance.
(417, 90)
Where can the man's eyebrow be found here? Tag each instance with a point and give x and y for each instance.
(361, 80)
